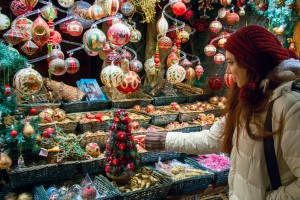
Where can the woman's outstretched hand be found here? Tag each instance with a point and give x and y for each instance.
(155, 141)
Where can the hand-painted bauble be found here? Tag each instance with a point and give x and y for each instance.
(18, 8)
(215, 26)
(127, 9)
(165, 42)
(64, 26)
(175, 74)
(4, 22)
(215, 82)
(135, 35)
(210, 50)
(242, 12)
(223, 13)
(66, 3)
(225, 2)
(13, 36)
(229, 81)
(89, 192)
(56, 38)
(233, 18)
(46, 115)
(56, 53)
(80, 13)
(149, 66)
(74, 28)
(93, 149)
(190, 73)
(28, 81)
(221, 42)
(58, 115)
(40, 31)
(113, 57)
(118, 34)
(30, 3)
(188, 14)
(130, 84)
(136, 65)
(219, 58)
(199, 71)
(29, 48)
(185, 63)
(179, 8)
(172, 59)
(23, 25)
(25, 196)
(72, 65)
(162, 26)
(183, 36)
(49, 12)
(94, 39)
(112, 7)
(96, 12)
(57, 67)
(112, 76)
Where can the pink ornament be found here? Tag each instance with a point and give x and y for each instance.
(40, 31)
(74, 28)
(57, 38)
(185, 63)
(233, 18)
(215, 82)
(215, 26)
(190, 73)
(18, 8)
(172, 59)
(72, 65)
(229, 81)
(118, 34)
(63, 26)
(179, 8)
(219, 58)
(165, 43)
(24, 26)
(130, 84)
(210, 50)
(199, 71)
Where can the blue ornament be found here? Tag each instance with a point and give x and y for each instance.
(50, 190)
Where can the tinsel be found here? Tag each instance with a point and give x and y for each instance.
(280, 15)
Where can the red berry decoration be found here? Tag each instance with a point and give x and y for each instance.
(116, 119)
(121, 135)
(188, 14)
(32, 111)
(115, 161)
(131, 166)
(13, 133)
(107, 170)
(122, 146)
(126, 120)
(215, 82)
(179, 8)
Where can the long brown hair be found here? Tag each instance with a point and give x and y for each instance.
(238, 112)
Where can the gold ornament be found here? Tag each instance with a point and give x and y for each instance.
(28, 130)
(11, 196)
(25, 196)
(9, 120)
(148, 9)
(5, 161)
(59, 115)
(92, 149)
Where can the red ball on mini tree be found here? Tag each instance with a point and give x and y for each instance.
(32, 111)
(120, 135)
(13, 133)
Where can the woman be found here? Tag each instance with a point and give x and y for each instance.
(263, 71)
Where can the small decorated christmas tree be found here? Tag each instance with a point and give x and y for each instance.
(121, 152)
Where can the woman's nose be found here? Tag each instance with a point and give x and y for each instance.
(228, 71)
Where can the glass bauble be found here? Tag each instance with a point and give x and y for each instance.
(111, 76)
(94, 39)
(118, 34)
(130, 84)
(175, 74)
(57, 67)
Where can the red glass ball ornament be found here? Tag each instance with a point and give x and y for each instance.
(121, 135)
(188, 14)
(115, 161)
(233, 18)
(32, 111)
(13, 133)
(18, 8)
(239, 3)
(63, 26)
(126, 120)
(219, 58)
(215, 82)
(122, 146)
(179, 8)
(131, 166)
(130, 84)
(264, 7)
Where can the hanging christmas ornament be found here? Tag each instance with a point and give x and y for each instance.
(172, 59)
(221, 42)
(57, 67)
(23, 25)
(185, 63)
(188, 14)
(13, 133)
(149, 66)
(164, 43)
(113, 57)
(162, 25)
(29, 48)
(215, 26)
(130, 84)
(228, 79)
(112, 7)
(18, 8)
(175, 74)
(179, 8)
(7, 90)
(127, 9)
(96, 12)
(72, 65)
(5, 161)
(66, 3)
(135, 35)
(118, 34)
(233, 18)
(46, 115)
(32, 111)
(183, 36)
(190, 73)
(56, 53)
(74, 28)
(136, 66)
(94, 39)
(199, 71)
(127, 55)
(30, 3)
(111, 76)
(225, 2)
(215, 82)
(242, 12)
(13, 36)
(210, 50)
(28, 81)
(4, 21)
(80, 13)
(56, 38)
(63, 26)
(40, 31)
(219, 58)
(28, 130)
(223, 13)
(201, 26)
(124, 64)
(49, 10)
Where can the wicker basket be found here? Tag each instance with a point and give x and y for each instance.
(81, 106)
(153, 156)
(104, 187)
(4, 190)
(95, 125)
(160, 119)
(66, 125)
(143, 120)
(97, 137)
(38, 106)
(92, 166)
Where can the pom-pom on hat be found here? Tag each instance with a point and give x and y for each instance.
(258, 49)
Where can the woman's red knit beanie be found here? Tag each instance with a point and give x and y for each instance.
(257, 48)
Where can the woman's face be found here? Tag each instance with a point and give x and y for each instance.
(239, 74)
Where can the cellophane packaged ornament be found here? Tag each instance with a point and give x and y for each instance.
(215, 162)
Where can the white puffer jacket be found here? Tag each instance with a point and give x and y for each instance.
(248, 177)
